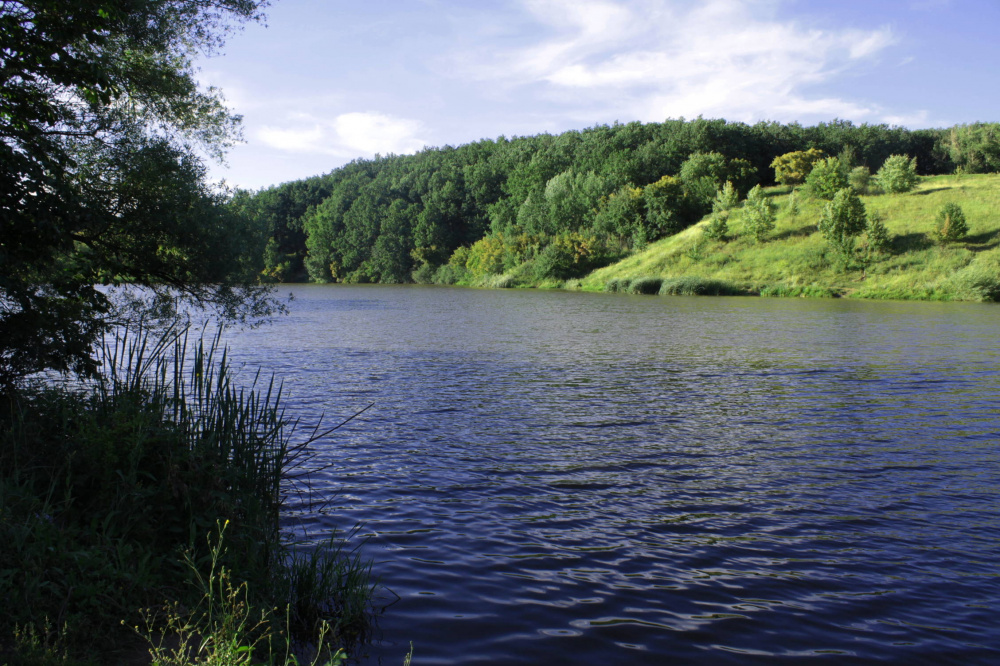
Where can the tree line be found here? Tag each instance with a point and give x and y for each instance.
(570, 201)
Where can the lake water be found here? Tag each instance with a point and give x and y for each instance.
(551, 477)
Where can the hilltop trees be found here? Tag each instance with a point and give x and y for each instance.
(101, 122)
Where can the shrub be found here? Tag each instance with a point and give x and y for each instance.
(621, 213)
(667, 208)
(826, 178)
(617, 285)
(979, 281)
(842, 220)
(898, 174)
(424, 274)
(951, 224)
(758, 214)
(726, 198)
(793, 168)
(792, 204)
(103, 488)
(570, 255)
(486, 256)
(860, 179)
(878, 235)
(718, 226)
(645, 285)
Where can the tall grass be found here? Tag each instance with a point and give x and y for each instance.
(108, 489)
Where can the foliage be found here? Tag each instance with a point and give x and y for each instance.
(645, 285)
(793, 168)
(877, 236)
(225, 627)
(797, 291)
(501, 252)
(859, 179)
(704, 173)
(799, 261)
(792, 203)
(951, 224)
(693, 286)
(898, 174)
(100, 180)
(826, 178)
(631, 183)
(455, 270)
(718, 226)
(617, 285)
(726, 199)
(758, 214)
(570, 255)
(975, 148)
(842, 220)
(102, 489)
(666, 207)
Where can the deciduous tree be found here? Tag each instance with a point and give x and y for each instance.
(103, 130)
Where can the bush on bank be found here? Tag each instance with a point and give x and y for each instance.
(107, 491)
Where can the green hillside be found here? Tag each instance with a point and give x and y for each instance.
(796, 260)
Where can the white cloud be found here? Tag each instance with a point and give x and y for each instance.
(345, 135)
(653, 59)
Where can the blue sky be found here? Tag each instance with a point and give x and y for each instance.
(328, 81)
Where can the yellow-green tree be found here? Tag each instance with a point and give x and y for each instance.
(792, 168)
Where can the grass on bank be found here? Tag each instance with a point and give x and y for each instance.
(797, 261)
(107, 492)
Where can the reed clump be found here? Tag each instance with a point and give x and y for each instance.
(108, 488)
(697, 286)
(645, 285)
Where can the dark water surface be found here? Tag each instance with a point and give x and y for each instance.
(556, 477)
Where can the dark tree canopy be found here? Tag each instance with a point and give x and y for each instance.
(103, 133)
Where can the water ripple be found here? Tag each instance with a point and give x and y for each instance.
(556, 477)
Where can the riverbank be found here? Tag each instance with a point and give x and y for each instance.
(141, 515)
(795, 259)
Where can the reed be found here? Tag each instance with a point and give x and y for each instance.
(107, 489)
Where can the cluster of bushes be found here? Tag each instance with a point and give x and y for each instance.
(825, 176)
(536, 256)
(844, 219)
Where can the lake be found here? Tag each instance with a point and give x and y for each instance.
(560, 477)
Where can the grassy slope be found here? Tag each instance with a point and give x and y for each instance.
(796, 259)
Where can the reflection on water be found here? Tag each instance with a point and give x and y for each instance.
(550, 477)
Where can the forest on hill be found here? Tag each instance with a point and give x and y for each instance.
(568, 203)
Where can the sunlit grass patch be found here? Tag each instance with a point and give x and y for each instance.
(796, 260)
